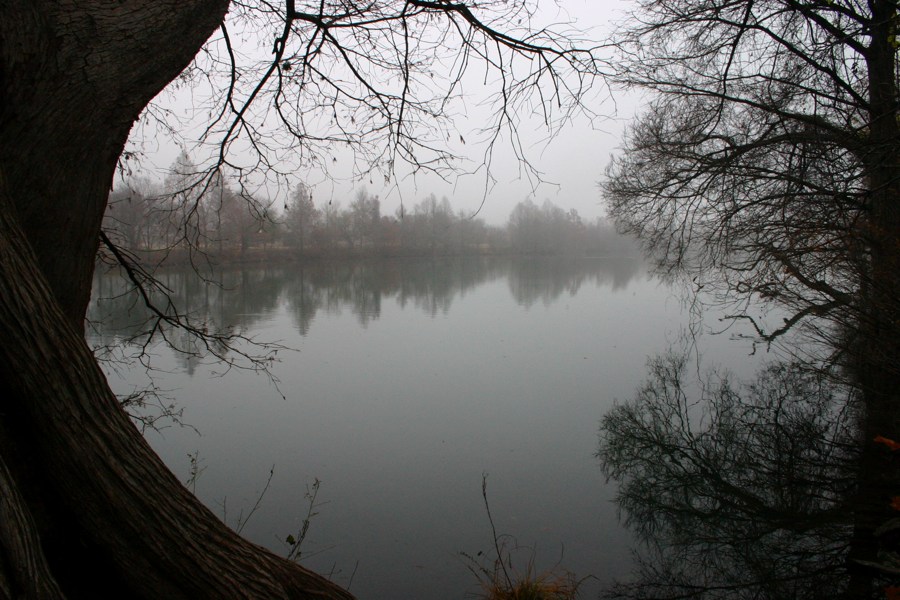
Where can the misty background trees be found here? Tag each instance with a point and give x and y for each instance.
(146, 217)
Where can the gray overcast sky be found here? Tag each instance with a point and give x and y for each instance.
(572, 163)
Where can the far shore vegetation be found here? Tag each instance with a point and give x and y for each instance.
(170, 225)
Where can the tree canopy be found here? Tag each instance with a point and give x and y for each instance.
(767, 159)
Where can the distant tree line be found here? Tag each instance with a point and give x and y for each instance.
(143, 216)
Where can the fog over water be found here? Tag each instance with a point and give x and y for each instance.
(409, 380)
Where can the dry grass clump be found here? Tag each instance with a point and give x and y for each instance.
(555, 584)
(500, 580)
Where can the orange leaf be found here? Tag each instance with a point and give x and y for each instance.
(887, 442)
(892, 593)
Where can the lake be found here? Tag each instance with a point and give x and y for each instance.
(403, 383)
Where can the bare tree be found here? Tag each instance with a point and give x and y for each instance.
(301, 216)
(365, 219)
(130, 218)
(87, 508)
(767, 157)
(185, 206)
(767, 167)
(379, 85)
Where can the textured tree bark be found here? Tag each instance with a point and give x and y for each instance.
(26, 573)
(86, 507)
(875, 356)
(74, 76)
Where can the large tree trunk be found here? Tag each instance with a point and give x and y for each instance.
(74, 76)
(876, 354)
(86, 507)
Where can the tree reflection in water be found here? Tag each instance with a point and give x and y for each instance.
(238, 298)
(742, 489)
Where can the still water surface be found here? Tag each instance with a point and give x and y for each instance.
(407, 382)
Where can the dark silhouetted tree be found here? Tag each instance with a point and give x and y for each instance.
(767, 168)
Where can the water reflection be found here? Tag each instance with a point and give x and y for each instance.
(749, 490)
(242, 298)
(413, 379)
(413, 382)
(548, 279)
